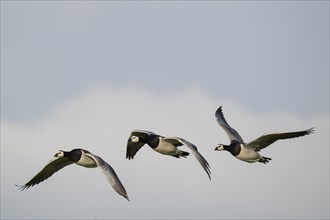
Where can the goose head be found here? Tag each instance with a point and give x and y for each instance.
(219, 147)
(60, 153)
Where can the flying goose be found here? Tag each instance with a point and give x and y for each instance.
(249, 152)
(80, 157)
(164, 145)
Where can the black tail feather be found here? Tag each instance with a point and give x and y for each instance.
(181, 154)
(264, 160)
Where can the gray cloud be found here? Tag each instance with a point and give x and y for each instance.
(84, 74)
(294, 185)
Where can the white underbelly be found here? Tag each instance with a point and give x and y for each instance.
(86, 161)
(248, 155)
(166, 148)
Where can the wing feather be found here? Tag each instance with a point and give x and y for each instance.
(51, 168)
(202, 161)
(173, 140)
(111, 175)
(268, 139)
(132, 146)
(132, 149)
(232, 133)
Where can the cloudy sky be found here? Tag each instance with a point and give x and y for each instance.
(83, 74)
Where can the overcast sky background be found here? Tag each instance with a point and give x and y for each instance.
(83, 74)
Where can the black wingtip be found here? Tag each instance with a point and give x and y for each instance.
(126, 197)
(21, 187)
(129, 157)
(310, 131)
(218, 111)
(207, 169)
(208, 172)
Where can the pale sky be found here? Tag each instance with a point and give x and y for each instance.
(83, 74)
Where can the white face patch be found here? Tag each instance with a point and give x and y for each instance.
(135, 139)
(219, 147)
(60, 154)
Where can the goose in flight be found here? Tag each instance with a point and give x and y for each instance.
(164, 145)
(249, 152)
(80, 157)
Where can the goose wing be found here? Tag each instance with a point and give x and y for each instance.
(52, 167)
(268, 139)
(180, 141)
(111, 175)
(135, 141)
(232, 133)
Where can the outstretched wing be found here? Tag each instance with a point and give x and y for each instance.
(51, 168)
(232, 133)
(198, 156)
(135, 141)
(111, 175)
(268, 139)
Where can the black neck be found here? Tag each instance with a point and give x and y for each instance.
(234, 148)
(153, 141)
(73, 155)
